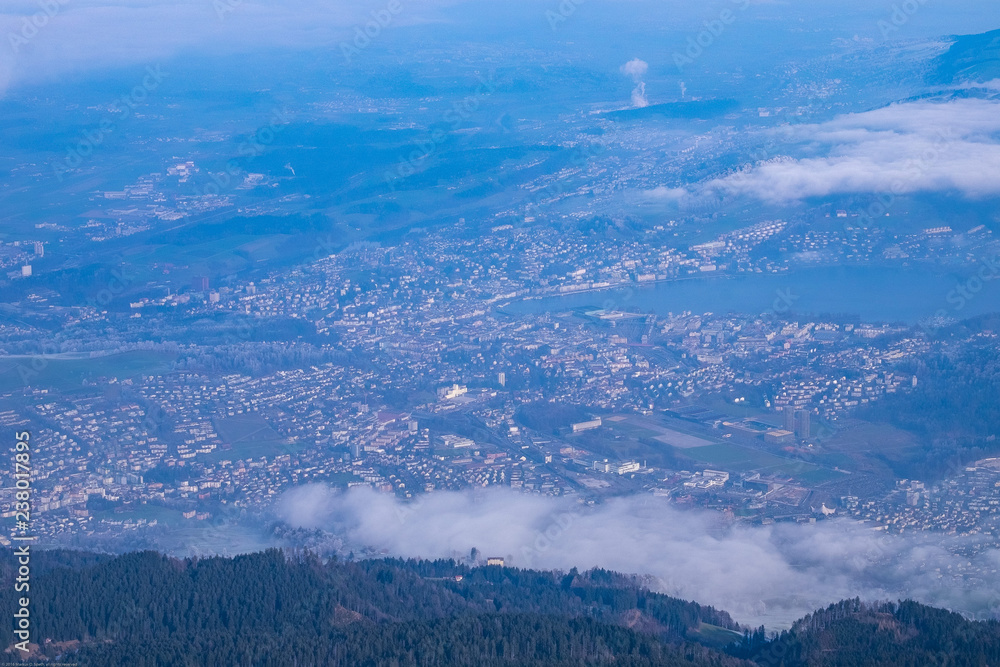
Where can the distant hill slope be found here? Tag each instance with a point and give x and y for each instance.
(145, 609)
(265, 609)
(953, 411)
(853, 633)
(701, 109)
(972, 58)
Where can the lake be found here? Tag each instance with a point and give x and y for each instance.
(888, 294)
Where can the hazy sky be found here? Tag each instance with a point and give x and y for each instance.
(43, 39)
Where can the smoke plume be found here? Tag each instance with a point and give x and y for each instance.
(636, 69)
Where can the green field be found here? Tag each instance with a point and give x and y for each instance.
(163, 515)
(734, 458)
(650, 427)
(341, 479)
(632, 429)
(251, 437)
(219, 534)
(55, 372)
(820, 476)
(713, 635)
(243, 430)
(251, 450)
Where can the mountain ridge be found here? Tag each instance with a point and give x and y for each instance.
(278, 608)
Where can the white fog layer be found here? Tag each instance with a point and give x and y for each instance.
(771, 574)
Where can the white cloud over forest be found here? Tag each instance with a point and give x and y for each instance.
(770, 574)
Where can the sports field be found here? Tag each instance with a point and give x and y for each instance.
(734, 458)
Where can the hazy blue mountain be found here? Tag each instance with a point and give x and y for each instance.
(972, 58)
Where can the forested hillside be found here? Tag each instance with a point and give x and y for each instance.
(852, 633)
(953, 411)
(268, 609)
(274, 608)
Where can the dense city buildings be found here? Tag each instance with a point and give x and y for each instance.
(427, 365)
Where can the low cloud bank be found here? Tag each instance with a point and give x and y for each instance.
(900, 149)
(769, 575)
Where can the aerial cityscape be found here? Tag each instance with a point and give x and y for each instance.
(442, 294)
